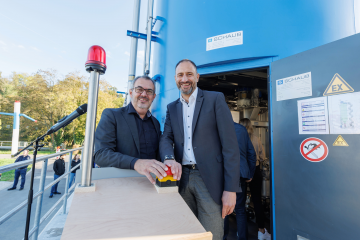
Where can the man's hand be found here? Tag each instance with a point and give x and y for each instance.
(249, 180)
(176, 168)
(147, 166)
(229, 200)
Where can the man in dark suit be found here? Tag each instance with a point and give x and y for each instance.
(200, 127)
(128, 137)
(248, 165)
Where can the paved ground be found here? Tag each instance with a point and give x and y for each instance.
(14, 227)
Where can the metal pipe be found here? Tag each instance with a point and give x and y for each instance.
(40, 199)
(13, 166)
(67, 182)
(90, 129)
(133, 48)
(148, 33)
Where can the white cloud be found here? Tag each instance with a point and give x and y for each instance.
(2, 43)
(36, 49)
(127, 53)
(21, 46)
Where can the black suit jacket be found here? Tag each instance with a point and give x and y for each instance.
(214, 142)
(117, 138)
(247, 152)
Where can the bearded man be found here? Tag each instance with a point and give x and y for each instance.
(200, 133)
(128, 137)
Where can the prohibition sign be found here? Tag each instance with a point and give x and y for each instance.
(314, 149)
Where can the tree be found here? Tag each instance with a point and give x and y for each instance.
(47, 98)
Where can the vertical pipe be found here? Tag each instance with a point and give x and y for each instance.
(16, 126)
(90, 129)
(67, 183)
(40, 199)
(133, 48)
(148, 40)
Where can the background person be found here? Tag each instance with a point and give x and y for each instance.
(128, 137)
(74, 162)
(20, 171)
(256, 183)
(247, 163)
(200, 133)
(59, 169)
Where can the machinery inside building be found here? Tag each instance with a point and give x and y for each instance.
(246, 93)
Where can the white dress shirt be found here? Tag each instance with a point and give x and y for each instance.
(188, 115)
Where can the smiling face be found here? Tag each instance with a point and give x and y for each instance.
(142, 100)
(186, 78)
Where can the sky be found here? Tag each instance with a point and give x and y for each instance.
(57, 35)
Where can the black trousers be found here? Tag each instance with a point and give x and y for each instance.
(255, 190)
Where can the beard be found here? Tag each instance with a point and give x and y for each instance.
(192, 87)
(145, 105)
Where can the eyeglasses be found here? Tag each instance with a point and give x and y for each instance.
(140, 90)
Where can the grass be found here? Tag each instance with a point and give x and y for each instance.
(9, 176)
(30, 152)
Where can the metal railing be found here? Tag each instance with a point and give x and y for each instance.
(21, 144)
(42, 188)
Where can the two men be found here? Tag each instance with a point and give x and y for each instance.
(198, 132)
(20, 171)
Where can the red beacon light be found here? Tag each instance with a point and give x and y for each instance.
(96, 59)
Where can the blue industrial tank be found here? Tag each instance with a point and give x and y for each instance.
(240, 47)
(271, 30)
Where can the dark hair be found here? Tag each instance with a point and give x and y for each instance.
(75, 156)
(186, 60)
(145, 77)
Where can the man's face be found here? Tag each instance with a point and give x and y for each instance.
(142, 100)
(186, 78)
(26, 152)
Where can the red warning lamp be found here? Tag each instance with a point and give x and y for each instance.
(96, 59)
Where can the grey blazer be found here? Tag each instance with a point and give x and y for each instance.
(117, 139)
(214, 142)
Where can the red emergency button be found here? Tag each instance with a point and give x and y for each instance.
(168, 172)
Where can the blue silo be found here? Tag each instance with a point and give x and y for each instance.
(270, 31)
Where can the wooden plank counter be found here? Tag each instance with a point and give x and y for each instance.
(131, 209)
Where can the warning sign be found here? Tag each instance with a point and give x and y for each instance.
(340, 141)
(338, 85)
(314, 149)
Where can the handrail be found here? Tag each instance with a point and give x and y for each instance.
(13, 166)
(34, 231)
(37, 194)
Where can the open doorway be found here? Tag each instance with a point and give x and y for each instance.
(246, 93)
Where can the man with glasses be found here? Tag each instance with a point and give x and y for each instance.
(128, 137)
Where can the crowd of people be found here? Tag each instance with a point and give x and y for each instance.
(212, 157)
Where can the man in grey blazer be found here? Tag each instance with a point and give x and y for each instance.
(199, 133)
(128, 137)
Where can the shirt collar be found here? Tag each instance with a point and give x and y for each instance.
(192, 97)
(131, 109)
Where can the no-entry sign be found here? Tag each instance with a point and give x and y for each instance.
(314, 149)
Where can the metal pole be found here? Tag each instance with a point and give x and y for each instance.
(40, 199)
(90, 128)
(67, 183)
(148, 40)
(133, 49)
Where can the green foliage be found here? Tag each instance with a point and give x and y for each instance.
(9, 176)
(47, 97)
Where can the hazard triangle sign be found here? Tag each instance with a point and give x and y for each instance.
(340, 141)
(338, 85)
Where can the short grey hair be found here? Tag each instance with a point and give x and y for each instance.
(145, 77)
